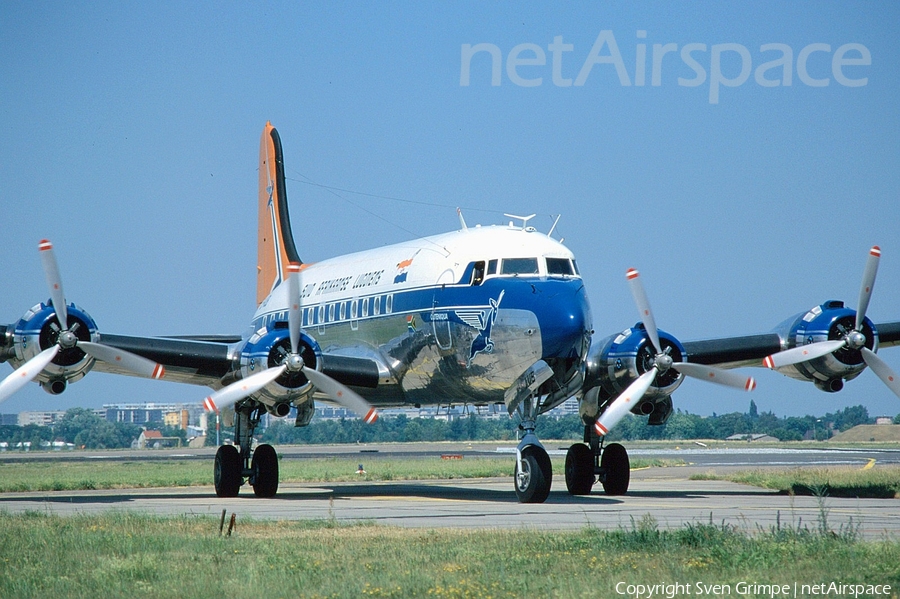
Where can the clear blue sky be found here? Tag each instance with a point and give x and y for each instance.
(130, 139)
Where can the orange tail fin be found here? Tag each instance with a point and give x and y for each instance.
(276, 248)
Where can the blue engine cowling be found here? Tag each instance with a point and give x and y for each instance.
(617, 361)
(39, 329)
(829, 321)
(267, 348)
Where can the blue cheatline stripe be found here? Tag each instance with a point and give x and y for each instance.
(544, 297)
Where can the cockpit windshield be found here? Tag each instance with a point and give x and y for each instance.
(519, 266)
(559, 266)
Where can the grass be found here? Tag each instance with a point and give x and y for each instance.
(67, 475)
(127, 555)
(877, 482)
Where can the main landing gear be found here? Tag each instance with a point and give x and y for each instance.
(587, 463)
(259, 466)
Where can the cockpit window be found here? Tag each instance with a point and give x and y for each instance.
(559, 266)
(478, 273)
(492, 267)
(519, 266)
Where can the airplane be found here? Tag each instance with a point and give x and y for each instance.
(482, 315)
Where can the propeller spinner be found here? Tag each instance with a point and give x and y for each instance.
(662, 362)
(67, 339)
(852, 339)
(292, 363)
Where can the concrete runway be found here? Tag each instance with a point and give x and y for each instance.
(665, 493)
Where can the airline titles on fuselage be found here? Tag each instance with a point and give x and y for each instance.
(337, 285)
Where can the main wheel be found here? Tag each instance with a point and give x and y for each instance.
(579, 469)
(227, 475)
(614, 462)
(265, 471)
(534, 475)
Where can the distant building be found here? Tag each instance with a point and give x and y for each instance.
(39, 418)
(180, 415)
(884, 420)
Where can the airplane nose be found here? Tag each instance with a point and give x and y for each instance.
(565, 321)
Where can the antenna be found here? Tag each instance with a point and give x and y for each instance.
(553, 228)
(524, 219)
(462, 221)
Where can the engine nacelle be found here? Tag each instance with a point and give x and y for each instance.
(830, 321)
(39, 329)
(617, 361)
(267, 348)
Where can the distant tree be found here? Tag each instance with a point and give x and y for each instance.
(849, 417)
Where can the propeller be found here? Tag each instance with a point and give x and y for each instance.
(662, 362)
(854, 339)
(293, 363)
(67, 339)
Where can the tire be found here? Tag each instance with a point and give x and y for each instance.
(227, 475)
(614, 462)
(265, 471)
(579, 469)
(533, 484)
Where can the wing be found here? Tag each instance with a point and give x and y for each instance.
(732, 352)
(202, 360)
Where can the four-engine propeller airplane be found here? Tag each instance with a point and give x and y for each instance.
(493, 314)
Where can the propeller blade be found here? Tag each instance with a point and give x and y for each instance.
(139, 365)
(643, 304)
(716, 375)
(802, 353)
(623, 404)
(240, 389)
(25, 373)
(54, 282)
(342, 394)
(884, 372)
(868, 282)
(295, 314)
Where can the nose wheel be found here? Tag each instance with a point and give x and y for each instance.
(533, 475)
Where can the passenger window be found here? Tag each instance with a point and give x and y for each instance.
(343, 310)
(331, 313)
(353, 310)
(376, 305)
(365, 307)
(559, 266)
(519, 266)
(389, 304)
(478, 273)
(492, 267)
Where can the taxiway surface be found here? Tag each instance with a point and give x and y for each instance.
(667, 494)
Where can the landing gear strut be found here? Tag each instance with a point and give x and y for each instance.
(259, 466)
(534, 473)
(585, 464)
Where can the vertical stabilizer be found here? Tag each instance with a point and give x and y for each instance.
(276, 248)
